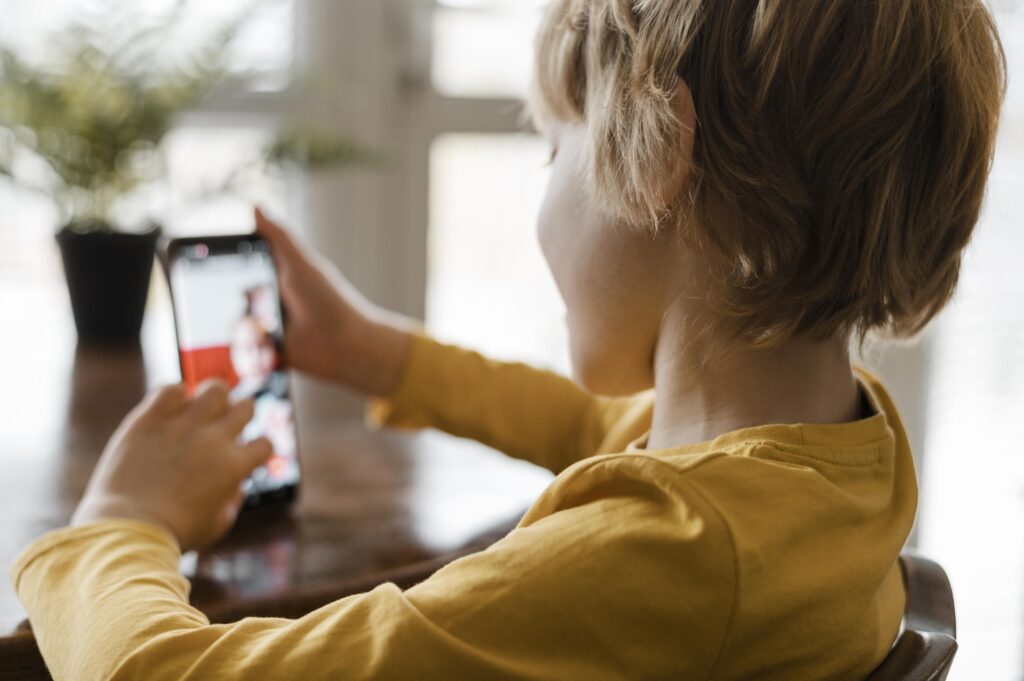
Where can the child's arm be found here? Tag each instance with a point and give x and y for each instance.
(336, 335)
(620, 571)
(525, 412)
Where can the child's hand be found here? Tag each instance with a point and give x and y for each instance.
(332, 331)
(175, 462)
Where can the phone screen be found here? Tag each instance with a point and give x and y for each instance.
(230, 327)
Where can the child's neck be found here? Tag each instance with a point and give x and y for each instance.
(799, 382)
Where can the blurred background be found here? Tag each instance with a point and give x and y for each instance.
(437, 220)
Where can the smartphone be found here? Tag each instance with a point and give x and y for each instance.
(229, 322)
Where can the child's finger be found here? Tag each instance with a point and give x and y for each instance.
(254, 454)
(281, 243)
(238, 416)
(165, 401)
(234, 503)
(210, 401)
(230, 509)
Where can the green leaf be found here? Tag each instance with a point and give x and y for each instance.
(317, 149)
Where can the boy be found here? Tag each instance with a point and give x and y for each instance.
(738, 188)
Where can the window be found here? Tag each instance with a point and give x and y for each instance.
(481, 47)
(263, 48)
(487, 284)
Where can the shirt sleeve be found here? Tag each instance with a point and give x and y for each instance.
(528, 413)
(614, 580)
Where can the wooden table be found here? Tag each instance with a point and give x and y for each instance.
(374, 506)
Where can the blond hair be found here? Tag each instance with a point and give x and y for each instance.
(841, 153)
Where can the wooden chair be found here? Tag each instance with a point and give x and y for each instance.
(924, 650)
(20, 659)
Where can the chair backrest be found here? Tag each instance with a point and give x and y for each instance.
(20, 659)
(924, 650)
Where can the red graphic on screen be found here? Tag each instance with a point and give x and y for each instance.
(201, 364)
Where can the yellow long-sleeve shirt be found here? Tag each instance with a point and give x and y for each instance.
(768, 553)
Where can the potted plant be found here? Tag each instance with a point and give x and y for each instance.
(97, 117)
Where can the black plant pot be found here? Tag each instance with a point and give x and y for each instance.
(108, 281)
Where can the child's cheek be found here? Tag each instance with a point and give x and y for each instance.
(561, 224)
(552, 228)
